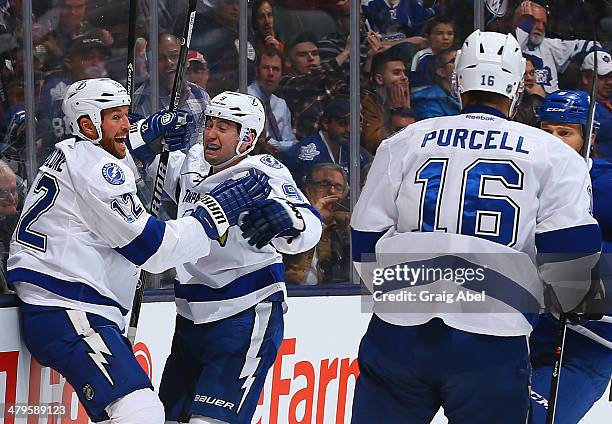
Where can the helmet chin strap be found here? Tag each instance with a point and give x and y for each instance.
(237, 154)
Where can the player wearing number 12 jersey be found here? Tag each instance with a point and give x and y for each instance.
(465, 203)
(83, 233)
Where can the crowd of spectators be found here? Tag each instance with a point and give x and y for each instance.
(301, 74)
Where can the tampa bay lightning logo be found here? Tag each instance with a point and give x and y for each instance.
(271, 162)
(113, 174)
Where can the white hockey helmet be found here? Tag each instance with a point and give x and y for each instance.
(89, 98)
(245, 110)
(490, 61)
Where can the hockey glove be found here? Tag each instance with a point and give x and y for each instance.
(271, 218)
(162, 129)
(219, 209)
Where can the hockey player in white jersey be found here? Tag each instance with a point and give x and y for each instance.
(230, 304)
(454, 210)
(83, 233)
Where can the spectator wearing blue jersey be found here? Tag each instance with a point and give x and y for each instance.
(587, 357)
(399, 16)
(329, 144)
(604, 97)
(437, 99)
(440, 33)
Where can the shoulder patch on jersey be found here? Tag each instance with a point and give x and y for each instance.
(292, 192)
(271, 162)
(113, 174)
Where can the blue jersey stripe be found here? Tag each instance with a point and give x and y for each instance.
(494, 284)
(139, 250)
(241, 286)
(568, 243)
(69, 289)
(363, 243)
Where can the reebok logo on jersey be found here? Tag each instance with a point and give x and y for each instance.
(213, 401)
(113, 174)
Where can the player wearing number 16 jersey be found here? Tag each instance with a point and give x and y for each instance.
(83, 233)
(464, 203)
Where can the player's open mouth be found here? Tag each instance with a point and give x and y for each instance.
(120, 139)
(212, 147)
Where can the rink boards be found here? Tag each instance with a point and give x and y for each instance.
(312, 381)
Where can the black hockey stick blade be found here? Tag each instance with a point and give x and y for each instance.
(557, 364)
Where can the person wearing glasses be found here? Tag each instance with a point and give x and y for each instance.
(437, 100)
(326, 188)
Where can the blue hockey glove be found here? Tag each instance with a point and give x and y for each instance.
(271, 218)
(162, 129)
(219, 209)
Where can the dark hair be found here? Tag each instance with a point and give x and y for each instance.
(268, 51)
(381, 59)
(438, 61)
(256, 4)
(303, 37)
(437, 20)
(328, 166)
(529, 58)
(482, 97)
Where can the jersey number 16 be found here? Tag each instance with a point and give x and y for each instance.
(482, 214)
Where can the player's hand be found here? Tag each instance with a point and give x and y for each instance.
(149, 136)
(271, 218)
(219, 209)
(592, 306)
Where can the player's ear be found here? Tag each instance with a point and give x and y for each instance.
(88, 128)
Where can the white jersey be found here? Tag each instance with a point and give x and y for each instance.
(474, 190)
(83, 234)
(236, 276)
(551, 56)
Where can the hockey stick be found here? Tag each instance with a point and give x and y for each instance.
(129, 86)
(592, 107)
(556, 374)
(158, 187)
(129, 82)
(561, 331)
